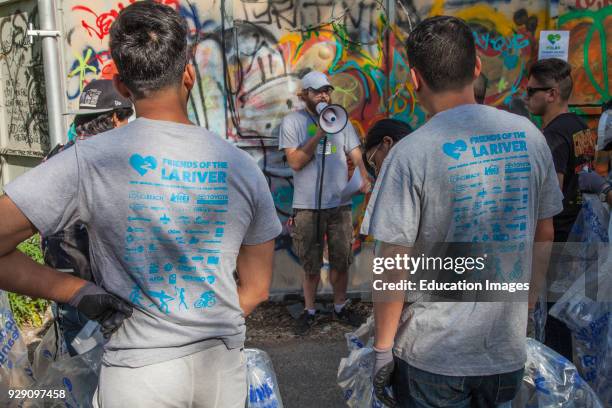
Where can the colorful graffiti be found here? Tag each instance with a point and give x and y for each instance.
(250, 55)
(505, 33)
(590, 26)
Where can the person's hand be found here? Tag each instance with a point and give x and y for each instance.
(366, 186)
(591, 182)
(99, 305)
(366, 183)
(381, 376)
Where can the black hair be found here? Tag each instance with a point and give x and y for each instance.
(89, 125)
(148, 43)
(551, 72)
(395, 129)
(442, 50)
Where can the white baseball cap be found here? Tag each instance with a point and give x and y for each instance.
(315, 80)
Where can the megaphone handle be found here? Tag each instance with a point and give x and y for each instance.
(321, 178)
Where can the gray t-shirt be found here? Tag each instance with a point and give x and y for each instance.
(167, 207)
(471, 174)
(295, 130)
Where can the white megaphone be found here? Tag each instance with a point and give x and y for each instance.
(332, 118)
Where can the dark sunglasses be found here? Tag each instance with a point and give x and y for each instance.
(532, 91)
(327, 90)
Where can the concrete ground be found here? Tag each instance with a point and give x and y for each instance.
(306, 370)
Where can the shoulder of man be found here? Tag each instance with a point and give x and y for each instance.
(565, 124)
(557, 133)
(573, 116)
(534, 135)
(349, 130)
(418, 141)
(294, 115)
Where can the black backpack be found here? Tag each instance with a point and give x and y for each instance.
(68, 249)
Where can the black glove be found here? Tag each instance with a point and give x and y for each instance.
(97, 304)
(383, 369)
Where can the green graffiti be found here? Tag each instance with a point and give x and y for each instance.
(306, 35)
(82, 68)
(597, 18)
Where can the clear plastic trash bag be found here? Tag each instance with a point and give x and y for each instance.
(263, 391)
(15, 369)
(588, 245)
(77, 376)
(355, 379)
(51, 348)
(355, 371)
(550, 380)
(591, 325)
(591, 224)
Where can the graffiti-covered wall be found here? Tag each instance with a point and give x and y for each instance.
(250, 55)
(590, 26)
(23, 114)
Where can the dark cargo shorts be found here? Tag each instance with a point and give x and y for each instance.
(337, 223)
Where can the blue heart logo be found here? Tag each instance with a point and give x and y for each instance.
(453, 149)
(143, 164)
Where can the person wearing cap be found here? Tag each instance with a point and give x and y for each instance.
(302, 141)
(101, 108)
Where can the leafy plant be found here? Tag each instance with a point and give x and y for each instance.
(25, 309)
(31, 247)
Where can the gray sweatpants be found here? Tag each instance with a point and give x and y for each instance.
(213, 378)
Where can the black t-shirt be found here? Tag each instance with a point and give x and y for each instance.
(573, 146)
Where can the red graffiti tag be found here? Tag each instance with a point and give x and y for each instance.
(592, 4)
(103, 21)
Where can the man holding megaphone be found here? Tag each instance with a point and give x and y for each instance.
(316, 140)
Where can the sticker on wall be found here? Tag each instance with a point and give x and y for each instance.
(554, 44)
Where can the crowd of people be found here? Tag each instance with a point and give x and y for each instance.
(167, 230)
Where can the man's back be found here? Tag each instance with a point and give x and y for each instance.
(167, 207)
(471, 174)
